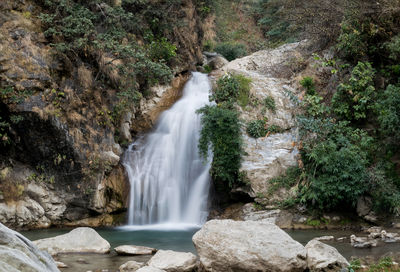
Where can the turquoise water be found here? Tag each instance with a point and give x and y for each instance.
(178, 240)
(181, 240)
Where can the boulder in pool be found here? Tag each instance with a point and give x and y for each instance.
(134, 250)
(324, 258)
(17, 254)
(130, 266)
(172, 261)
(79, 240)
(227, 245)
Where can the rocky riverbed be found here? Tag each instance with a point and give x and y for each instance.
(221, 245)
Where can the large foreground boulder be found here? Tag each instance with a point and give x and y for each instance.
(227, 245)
(324, 258)
(79, 240)
(17, 253)
(172, 261)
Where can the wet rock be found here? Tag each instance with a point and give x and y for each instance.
(217, 62)
(390, 237)
(324, 258)
(149, 269)
(79, 240)
(362, 242)
(364, 206)
(324, 238)
(134, 250)
(130, 266)
(61, 265)
(227, 245)
(172, 261)
(17, 253)
(164, 97)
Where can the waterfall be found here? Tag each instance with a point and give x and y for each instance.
(169, 180)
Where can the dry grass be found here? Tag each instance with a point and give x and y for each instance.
(85, 77)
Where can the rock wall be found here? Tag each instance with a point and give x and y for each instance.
(62, 165)
(273, 74)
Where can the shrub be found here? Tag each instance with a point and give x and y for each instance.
(244, 90)
(221, 132)
(259, 128)
(269, 103)
(393, 46)
(226, 91)
(231, 89)
(355, 97)
(308, 84)
(231, 50)
(161, 50)
(387, 108)
(256, 128)
(335, 162)
(351, 41)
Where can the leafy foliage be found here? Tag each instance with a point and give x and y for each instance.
(269, 103)
(260, 128)
(231, 50)
(221, 129)
(387, 108)
(221, 132)
(355, 97)
(308, 84)
(256, 128)
(231, 89)
(336, 167)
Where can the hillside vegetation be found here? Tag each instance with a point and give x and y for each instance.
(349, 116)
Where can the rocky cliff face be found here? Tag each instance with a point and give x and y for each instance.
(274, 74)
(61, 148)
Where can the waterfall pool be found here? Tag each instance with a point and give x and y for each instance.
(181, 240)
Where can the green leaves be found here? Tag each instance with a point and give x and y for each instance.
(387, 109)
(221, 133)
(231, 50)
(354, 97)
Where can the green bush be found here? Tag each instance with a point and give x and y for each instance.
(226, 91)
(259, 128)
(387, 108)
(309, 85)
(269, 103)
(256, 128)
(352, 41)
(355, 97)
(336, 167)
(231, 50)
(244, 90)
(221, 133)
(393, 47)
(231, 89)
(161, 49)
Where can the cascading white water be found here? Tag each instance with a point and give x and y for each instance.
(169, 180)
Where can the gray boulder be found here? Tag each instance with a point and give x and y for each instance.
(324, 258)
(134, 250)
(227, 245)
(17, 253)
(172, 261)
(149, 269)
(79, 240)
(217, 62)
(130, 266)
